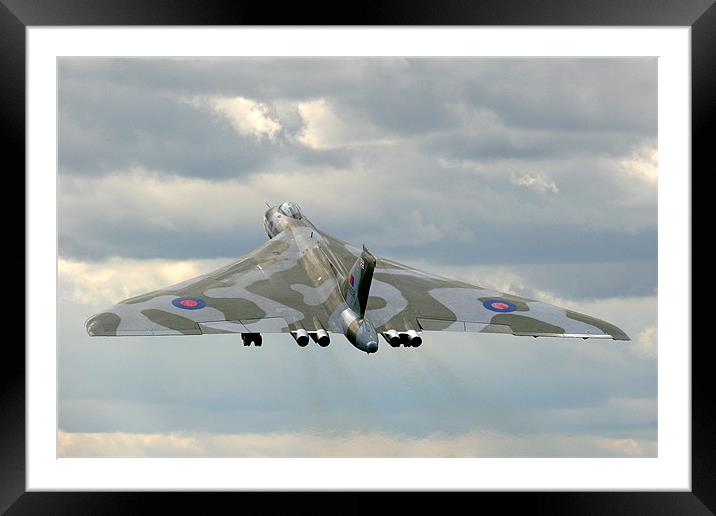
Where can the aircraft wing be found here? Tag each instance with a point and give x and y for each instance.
(269, 291)
(251, 295)
(400, 294)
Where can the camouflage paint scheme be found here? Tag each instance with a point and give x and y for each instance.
(298, 279)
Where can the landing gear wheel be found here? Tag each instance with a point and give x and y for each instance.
(251, 338)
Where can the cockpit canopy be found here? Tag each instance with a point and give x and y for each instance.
(291, 209)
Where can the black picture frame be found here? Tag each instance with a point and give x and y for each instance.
(16, 15)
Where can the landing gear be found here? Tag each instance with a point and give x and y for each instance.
(252, 338)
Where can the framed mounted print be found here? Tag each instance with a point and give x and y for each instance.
(317, 258)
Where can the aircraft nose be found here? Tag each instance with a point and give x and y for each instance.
(371, 346)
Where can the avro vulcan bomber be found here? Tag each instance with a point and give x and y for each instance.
(309, 284)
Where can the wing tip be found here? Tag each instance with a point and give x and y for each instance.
(102, 325)
(617, 333)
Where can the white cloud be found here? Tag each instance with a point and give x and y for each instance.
(152, 199)
(646, 344)
(472, 444)
(615, 409)
(539, 182)
(146, 199)
(106, 282)
(321, 125)
(248, 117)
(643, 163)
(327, 128)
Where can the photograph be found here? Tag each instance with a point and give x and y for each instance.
(357, 257)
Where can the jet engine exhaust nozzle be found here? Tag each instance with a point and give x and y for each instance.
(414, 339)
(301, 337)
(322, 338)
(392, 337)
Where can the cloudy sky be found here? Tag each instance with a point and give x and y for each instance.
(531, 176)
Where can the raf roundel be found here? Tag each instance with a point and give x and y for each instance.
(499, 305)
(189, 303)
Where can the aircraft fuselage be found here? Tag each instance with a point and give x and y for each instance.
(319, 263)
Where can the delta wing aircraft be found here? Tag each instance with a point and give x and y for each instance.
(309, 284)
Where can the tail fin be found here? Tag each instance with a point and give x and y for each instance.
(356, 286)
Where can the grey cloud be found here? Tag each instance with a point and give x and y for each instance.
(105, 236)
(585, 280)
(105, 126)
(457, 383)
(589, 94)
(612, 100)
(155, 243)
(122, 113)
(89, 232)
(259, 78)
(532, 243)
(472, 218)
(120, 128)
(533, 145)
(286, 444)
